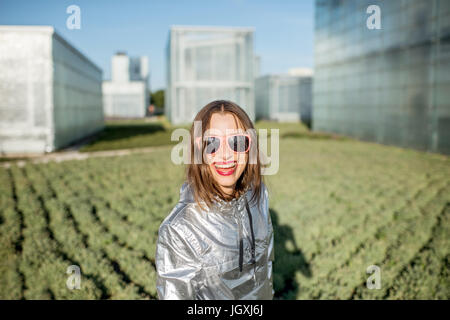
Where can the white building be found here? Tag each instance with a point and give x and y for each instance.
(257, 67)
(126, 95)
(285, 97)
(206, 64)
(50, 93)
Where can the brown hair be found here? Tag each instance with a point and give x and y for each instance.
(204, 187)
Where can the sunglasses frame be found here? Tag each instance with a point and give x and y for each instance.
(226, 138)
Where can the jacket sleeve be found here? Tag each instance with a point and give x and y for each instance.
(176, 265)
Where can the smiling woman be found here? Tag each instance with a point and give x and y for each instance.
(217, 243)
(226, 154)
(225, 170)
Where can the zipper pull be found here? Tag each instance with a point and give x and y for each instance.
(241, 241)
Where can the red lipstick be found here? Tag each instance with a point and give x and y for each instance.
(225, 171)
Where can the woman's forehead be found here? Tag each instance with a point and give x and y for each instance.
(224, 124)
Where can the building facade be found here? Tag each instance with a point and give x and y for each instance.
(205, 64)
(50, 92)
(390, 85)
(127, 94)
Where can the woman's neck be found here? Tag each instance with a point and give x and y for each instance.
(229, 191)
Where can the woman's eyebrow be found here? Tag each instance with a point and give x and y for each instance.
(227, 132)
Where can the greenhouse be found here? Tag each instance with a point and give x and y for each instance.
(390, 85)
(127, 94)
(51, 93)
(205, 64)
(284, 97)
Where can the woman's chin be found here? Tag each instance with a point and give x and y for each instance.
(225, 181)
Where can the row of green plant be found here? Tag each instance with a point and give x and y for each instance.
(337, 206)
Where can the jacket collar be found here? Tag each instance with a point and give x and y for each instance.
(186, 194)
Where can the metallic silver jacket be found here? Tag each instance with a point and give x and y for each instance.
(225, 252)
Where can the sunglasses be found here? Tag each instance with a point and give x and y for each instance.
(239, 143)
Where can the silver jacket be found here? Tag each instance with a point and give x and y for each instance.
(216, 254)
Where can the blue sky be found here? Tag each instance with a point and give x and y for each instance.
(283, 28)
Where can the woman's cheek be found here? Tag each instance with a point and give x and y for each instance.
(242, 162)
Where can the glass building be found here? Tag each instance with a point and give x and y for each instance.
(205, 64)
(390, 85)
(283, 97)
(51, 94)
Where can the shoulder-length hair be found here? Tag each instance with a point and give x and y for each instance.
(204, 187)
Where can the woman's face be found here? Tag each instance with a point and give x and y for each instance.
(226, 166)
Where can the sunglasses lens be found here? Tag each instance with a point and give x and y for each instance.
(212, 144)
(239, 143)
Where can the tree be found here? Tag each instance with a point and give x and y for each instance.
(157, 98)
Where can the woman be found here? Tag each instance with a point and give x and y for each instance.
(217, 243)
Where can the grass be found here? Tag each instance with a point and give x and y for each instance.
(337, 206)
(125, 134)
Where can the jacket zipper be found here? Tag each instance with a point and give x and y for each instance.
(241, 244)
(241, 240)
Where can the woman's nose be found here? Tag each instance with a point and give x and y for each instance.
(225, 153)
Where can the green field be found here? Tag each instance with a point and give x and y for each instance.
(337, 205)
(128, 134)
